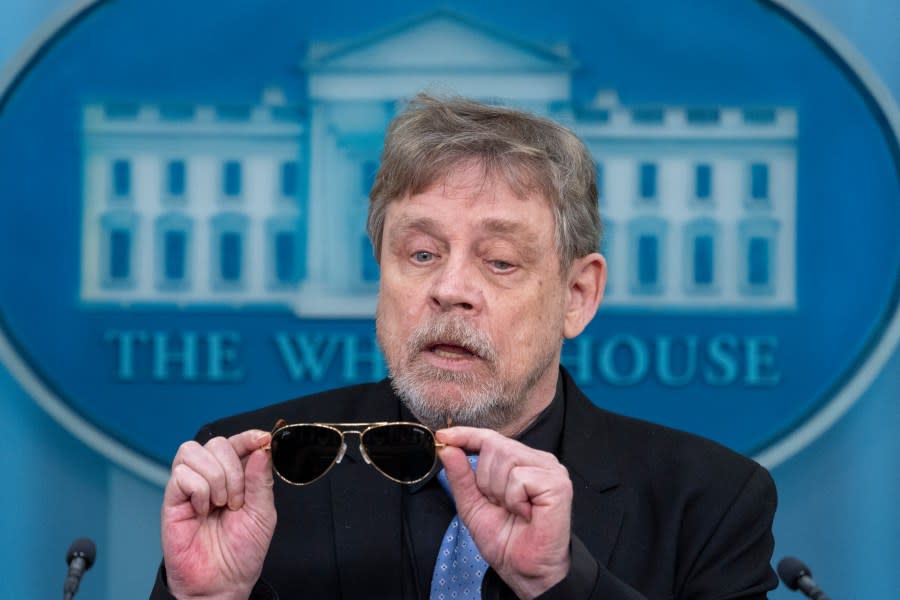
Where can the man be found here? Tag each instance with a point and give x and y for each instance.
(485, 224)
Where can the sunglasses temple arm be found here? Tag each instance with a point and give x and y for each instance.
(278, 425)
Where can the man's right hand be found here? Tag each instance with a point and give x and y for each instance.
(218, 516)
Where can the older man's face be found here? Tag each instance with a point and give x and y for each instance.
(471, 309)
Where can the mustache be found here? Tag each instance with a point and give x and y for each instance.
(452, 331)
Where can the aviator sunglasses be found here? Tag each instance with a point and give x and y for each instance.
(401, 451)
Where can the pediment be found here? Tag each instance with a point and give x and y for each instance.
(442, 41)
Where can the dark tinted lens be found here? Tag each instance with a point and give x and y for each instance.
(404, 452)
(303, 453)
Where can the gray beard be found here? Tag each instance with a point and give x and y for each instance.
(485, 405)
(490, 402)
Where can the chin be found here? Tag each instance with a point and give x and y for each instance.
(439, 404)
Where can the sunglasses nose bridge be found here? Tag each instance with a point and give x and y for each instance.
(341, 453)
(362, 448)
(362, 451)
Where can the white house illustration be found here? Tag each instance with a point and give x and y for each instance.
(265, 204)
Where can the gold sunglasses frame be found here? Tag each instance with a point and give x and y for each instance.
(360, 429)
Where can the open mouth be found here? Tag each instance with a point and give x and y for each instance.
(452, 351)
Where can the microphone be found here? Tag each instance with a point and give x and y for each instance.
(80, 557)
(797, 575)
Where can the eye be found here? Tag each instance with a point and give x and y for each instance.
(501, 265)
(422, 256)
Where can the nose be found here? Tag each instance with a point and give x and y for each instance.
(455, 287)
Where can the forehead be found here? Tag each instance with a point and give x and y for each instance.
(466, 197)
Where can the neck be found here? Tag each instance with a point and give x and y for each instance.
(539, 399)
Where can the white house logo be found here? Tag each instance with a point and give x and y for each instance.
(183, 230)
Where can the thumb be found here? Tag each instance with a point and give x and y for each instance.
(258, 481)
(461, 478)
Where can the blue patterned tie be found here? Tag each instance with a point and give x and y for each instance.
(459, 568)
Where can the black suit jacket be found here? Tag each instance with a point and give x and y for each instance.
(657, 513)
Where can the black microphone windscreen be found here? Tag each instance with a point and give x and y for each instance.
(791, 569)
(84, 548)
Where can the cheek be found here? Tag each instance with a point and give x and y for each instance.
(519, 328)
(535, 322)
(398, 309)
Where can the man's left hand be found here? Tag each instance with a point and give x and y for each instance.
(517, 506)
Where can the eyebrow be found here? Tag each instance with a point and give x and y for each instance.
(424, 224)
(501, 227)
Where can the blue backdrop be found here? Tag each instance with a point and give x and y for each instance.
(838, 495)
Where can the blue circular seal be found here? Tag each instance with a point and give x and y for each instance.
(184, 191)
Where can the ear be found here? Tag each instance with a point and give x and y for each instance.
(586, 282)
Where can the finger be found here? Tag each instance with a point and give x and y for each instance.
(474, 440)
(497, 481)
(258, 482)
(521, 485)
(510, 457)
(461, 478)
(245, 444)
(494, 464)
(494, 478)
(247, 441)
(480, 441)
(202, 461)
(498, 455)
(539, 488)
(225, 453)
(188, 485)
(468, 438)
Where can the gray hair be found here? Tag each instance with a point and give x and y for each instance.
(532, 154)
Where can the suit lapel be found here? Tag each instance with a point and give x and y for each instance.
(598, 504)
